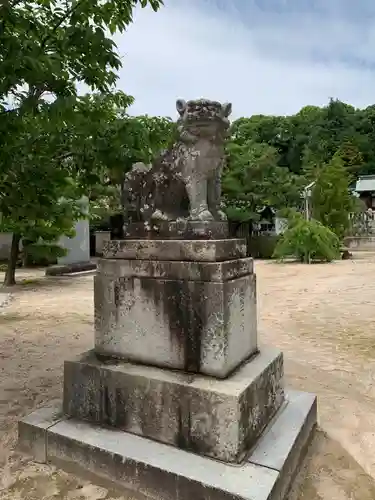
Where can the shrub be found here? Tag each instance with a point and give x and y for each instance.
(42, 254)
(307, 239)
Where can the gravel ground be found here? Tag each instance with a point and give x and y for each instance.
(321, 316)
(5, 298)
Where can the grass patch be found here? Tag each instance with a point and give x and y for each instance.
(30, 281)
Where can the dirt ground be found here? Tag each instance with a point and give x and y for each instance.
(321, 316)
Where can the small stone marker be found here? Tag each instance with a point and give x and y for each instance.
(78, 247)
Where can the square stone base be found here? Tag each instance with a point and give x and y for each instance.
(183, 250)
(182, 229)
(165, 314)
(221, 419)
(159, 471)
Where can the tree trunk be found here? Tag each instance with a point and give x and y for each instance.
(122, 197)
(10, 275)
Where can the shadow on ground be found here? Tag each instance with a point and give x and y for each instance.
(331, 473)
(43, 283)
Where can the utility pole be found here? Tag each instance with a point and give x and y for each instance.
(307, 195)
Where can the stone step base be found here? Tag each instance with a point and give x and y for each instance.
(159, 471)
(183, 229)
(221, 419)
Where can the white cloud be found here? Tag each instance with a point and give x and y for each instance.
(273, 66)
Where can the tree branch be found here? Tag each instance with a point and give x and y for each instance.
(60, 21)
(64, 156)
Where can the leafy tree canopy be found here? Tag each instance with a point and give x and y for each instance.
(271, 159)
(312, 136)
(48, 144)
(253, 178)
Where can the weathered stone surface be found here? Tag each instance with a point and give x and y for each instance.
(32, 430)
(220, 419)
(283, 445)
(159, 471)
(184, 182)
(190, 250)
(174, 269)
(198, 326)
(154, 469)
(77, 267)
(182, 229)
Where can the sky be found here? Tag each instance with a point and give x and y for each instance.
(263, 56)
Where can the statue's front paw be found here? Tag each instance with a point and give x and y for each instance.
(206, 215)
(202, 215)
(159, 215)
(220, 215)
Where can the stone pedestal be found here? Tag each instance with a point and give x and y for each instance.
(176, 400)
(196, 315)
(101, 237)
(218, 419)
(183, 229)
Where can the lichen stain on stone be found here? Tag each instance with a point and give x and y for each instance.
(146, 410)
(180, 303)
(142, 409)
(260, 403)
(123, 301)
(186, 438)
(113, 406)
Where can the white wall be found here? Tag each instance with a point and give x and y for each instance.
(79, 246)
(5, 244)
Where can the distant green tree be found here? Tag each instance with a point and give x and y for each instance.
(332, 201)
(252, 179)
(311, 137)
(351, 157)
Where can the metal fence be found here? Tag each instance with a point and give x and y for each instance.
(362, 224)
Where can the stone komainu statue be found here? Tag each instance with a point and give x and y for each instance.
(183, 182)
